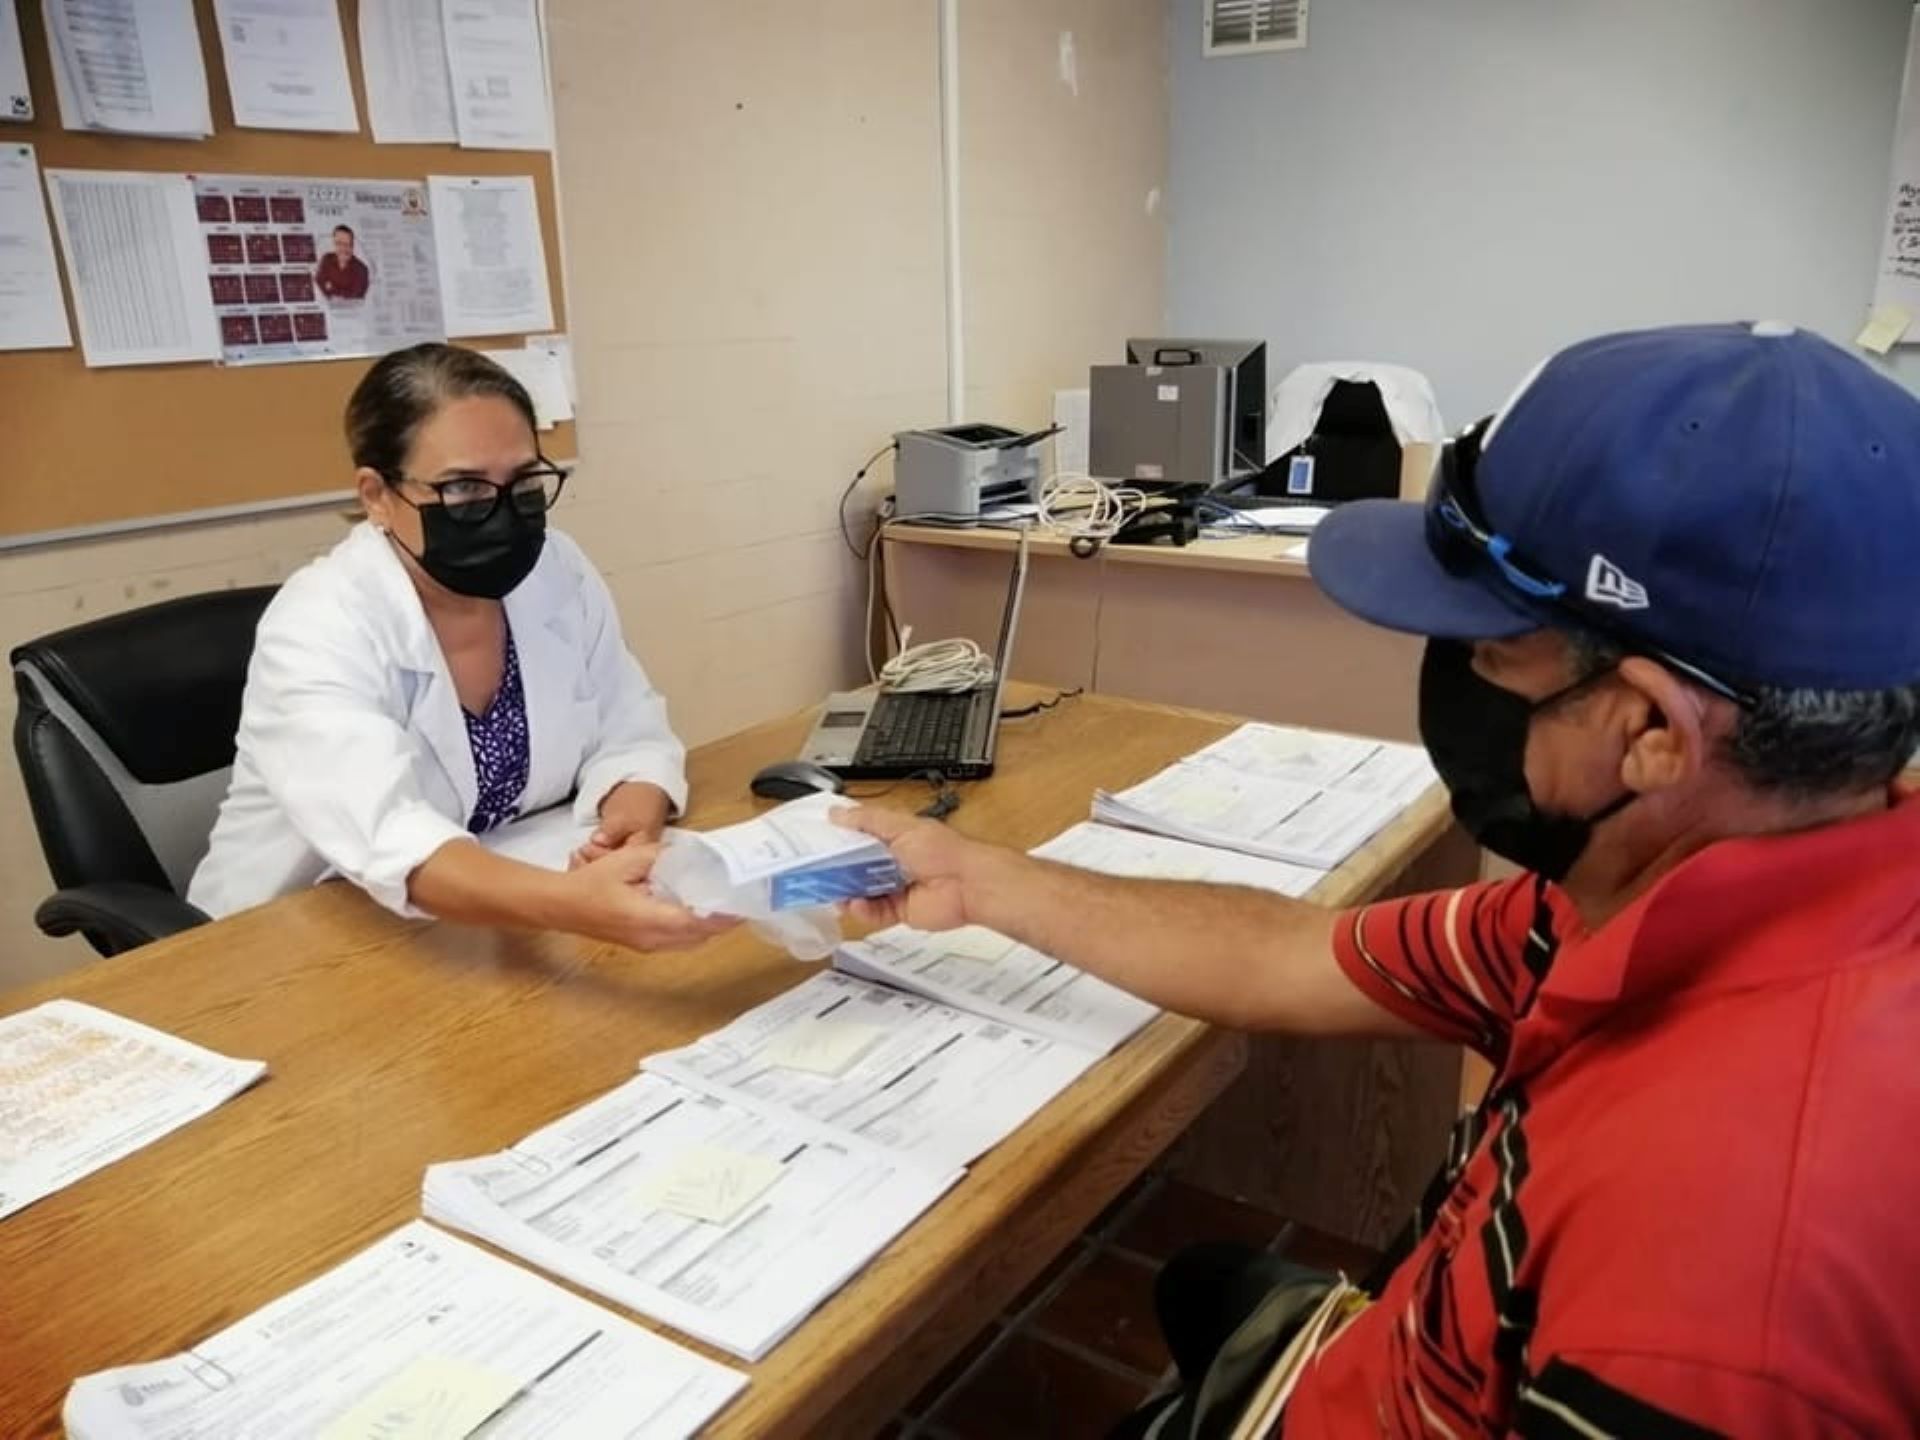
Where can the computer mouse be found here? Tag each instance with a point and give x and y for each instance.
(790, 779)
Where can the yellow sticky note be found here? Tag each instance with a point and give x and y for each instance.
(974, 942)
(434, 1398)
(822, 1047)
(1884, 328)
(712, 1184)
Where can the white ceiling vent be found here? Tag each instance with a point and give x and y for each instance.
(1240, 27)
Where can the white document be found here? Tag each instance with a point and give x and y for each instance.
(499, 69)
(1287, 752)
(286, 64)
(128, 65)
(1897, 286)
(1270, 519)
(33, 315)
(1278, 819)
(80, 1088)
(493, 263)
(133, 252)
(539, 371)
(1398, 773)
(421, 1334)
(1113, 851)
(16, 100)
(403, 52)
(982, 971)
(1072, 412)
(580, 1198)
(911, 1076)
(560, 347)
(546, 838)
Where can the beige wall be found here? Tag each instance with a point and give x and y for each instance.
(754, 232)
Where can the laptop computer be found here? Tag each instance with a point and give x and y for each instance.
(886, 735)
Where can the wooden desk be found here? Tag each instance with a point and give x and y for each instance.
(1235, 626)
(394, 1045)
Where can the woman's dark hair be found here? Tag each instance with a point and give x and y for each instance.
(402, 391)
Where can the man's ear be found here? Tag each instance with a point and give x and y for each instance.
(1669, 727)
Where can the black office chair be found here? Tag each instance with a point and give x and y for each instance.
(1355, 454)
(125, 736)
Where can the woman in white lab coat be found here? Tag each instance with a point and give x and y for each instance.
(450, 665)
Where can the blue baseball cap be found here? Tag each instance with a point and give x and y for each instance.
(1742, 498)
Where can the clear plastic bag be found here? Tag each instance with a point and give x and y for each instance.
(692, 875)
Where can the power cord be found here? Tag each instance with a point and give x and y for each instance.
(1043, 705)
(945, 799)
(1087, 512)
(854, 484)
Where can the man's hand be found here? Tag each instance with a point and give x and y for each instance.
(944, 871)
(608, 899)
(632, 813)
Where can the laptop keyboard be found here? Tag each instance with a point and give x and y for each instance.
(914, 729)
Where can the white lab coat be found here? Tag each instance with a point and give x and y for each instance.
(353, 755)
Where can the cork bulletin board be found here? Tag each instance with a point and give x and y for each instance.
(88, 448)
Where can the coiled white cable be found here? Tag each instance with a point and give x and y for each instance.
(1079, 507)
(938, 665)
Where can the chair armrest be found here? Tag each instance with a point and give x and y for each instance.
(116, 915)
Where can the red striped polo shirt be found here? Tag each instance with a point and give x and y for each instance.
(1693, 1206)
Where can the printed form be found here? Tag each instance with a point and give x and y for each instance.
(1211, 804)
(984, 972)
(1135, 853)
(420, 1334)
(81, 1088)
(916, 1078)
(728, 1225)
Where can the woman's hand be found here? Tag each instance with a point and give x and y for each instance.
(608, 899)
(632, 813)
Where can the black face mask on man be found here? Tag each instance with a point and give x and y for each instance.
(486, 560)
(1476, 733)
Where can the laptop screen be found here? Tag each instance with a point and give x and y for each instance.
(1009, 622)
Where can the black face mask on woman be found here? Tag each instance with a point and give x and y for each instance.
(487, 560)
(1476, 733)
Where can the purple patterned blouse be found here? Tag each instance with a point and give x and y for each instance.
(499, 741)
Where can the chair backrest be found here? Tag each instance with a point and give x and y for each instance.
(125, 735)
(1355, 454)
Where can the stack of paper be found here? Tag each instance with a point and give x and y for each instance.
(418, 1335)
(729, 1224)
(80, 1088)
(1300, 796)
(1400, 773)
(921, 1080)
(983, 971)
(1114, 851)
(131, 66)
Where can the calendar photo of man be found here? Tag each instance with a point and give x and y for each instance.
(341, 274)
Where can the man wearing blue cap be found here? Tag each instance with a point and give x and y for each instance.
(1672, 601)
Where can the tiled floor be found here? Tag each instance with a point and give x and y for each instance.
(1079, 1349)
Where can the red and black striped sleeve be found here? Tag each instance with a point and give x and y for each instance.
(1454, 963)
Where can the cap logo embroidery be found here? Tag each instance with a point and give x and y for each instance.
(1608, 584)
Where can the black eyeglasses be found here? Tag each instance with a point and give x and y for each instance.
(472, 499)
(1462, 540)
